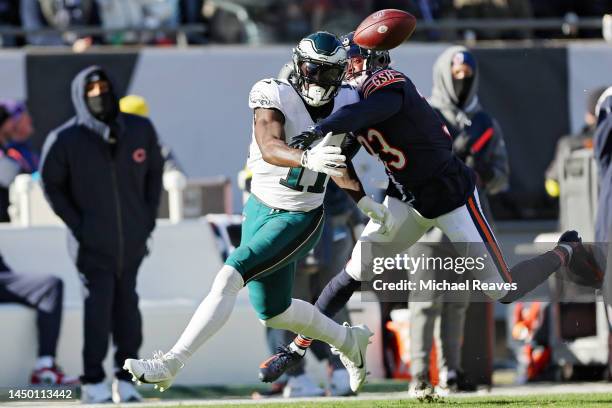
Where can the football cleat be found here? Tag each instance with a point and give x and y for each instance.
(354, 361)
(159, 371)
(302, 386)
(582, 266)
(272, 368)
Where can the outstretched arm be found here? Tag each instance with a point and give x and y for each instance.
(270, 137)
(376, 108)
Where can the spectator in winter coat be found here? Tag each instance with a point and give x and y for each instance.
(102, 174)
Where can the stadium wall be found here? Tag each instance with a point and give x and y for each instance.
(198, 98)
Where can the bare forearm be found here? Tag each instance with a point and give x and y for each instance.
(270, 136)
(276, 152)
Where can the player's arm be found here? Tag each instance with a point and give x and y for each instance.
(378, 107)
(270, 136)
(350, 183)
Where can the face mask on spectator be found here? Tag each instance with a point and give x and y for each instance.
(463, 70)
(462, 88)
(100, 98)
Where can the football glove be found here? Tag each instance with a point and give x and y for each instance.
(377, 213)
(324, 158)
(306, 138)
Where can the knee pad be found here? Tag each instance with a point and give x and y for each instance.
(228, 281)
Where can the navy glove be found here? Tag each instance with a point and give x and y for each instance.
(306, 138)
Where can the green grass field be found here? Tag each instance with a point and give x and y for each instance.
(383, 388)
(560, 400)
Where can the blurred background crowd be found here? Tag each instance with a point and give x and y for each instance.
(81, 23)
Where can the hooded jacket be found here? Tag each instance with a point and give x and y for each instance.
(602, 150)
(493, 158)
(108, 201)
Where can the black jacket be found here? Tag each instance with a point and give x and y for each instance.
(108, 201)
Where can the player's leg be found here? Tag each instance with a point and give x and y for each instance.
(270, 295)
(467, 227)
(270, 238)
(409, 227)
(351, 342)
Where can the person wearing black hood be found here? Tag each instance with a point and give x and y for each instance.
(478, 138)
(102, 174)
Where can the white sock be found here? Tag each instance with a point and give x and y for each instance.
(44, 362)
(211, 315)
(302, 317)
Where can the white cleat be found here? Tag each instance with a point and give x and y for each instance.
(302, 386)
(159, 371)
(354, 361)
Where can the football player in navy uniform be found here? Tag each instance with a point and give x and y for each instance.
(428, 187)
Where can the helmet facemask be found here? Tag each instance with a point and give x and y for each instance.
(318, 81)
(319, 65)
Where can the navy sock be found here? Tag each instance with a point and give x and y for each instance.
(336, 294)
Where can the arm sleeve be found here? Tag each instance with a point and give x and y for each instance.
(55, 177)
(376, 108)
(154, 175)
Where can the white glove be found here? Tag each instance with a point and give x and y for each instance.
(323, 158)
(377, 213)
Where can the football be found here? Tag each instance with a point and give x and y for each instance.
(385, 29)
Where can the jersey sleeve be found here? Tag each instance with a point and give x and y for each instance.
(265, 94)
(385, 79)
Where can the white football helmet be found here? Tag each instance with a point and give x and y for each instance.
(319, 64)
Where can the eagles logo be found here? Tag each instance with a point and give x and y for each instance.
(258, 98)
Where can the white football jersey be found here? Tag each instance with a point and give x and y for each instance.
(296, 188)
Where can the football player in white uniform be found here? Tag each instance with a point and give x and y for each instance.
(283, 216)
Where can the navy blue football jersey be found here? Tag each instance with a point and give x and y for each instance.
(396, 124)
